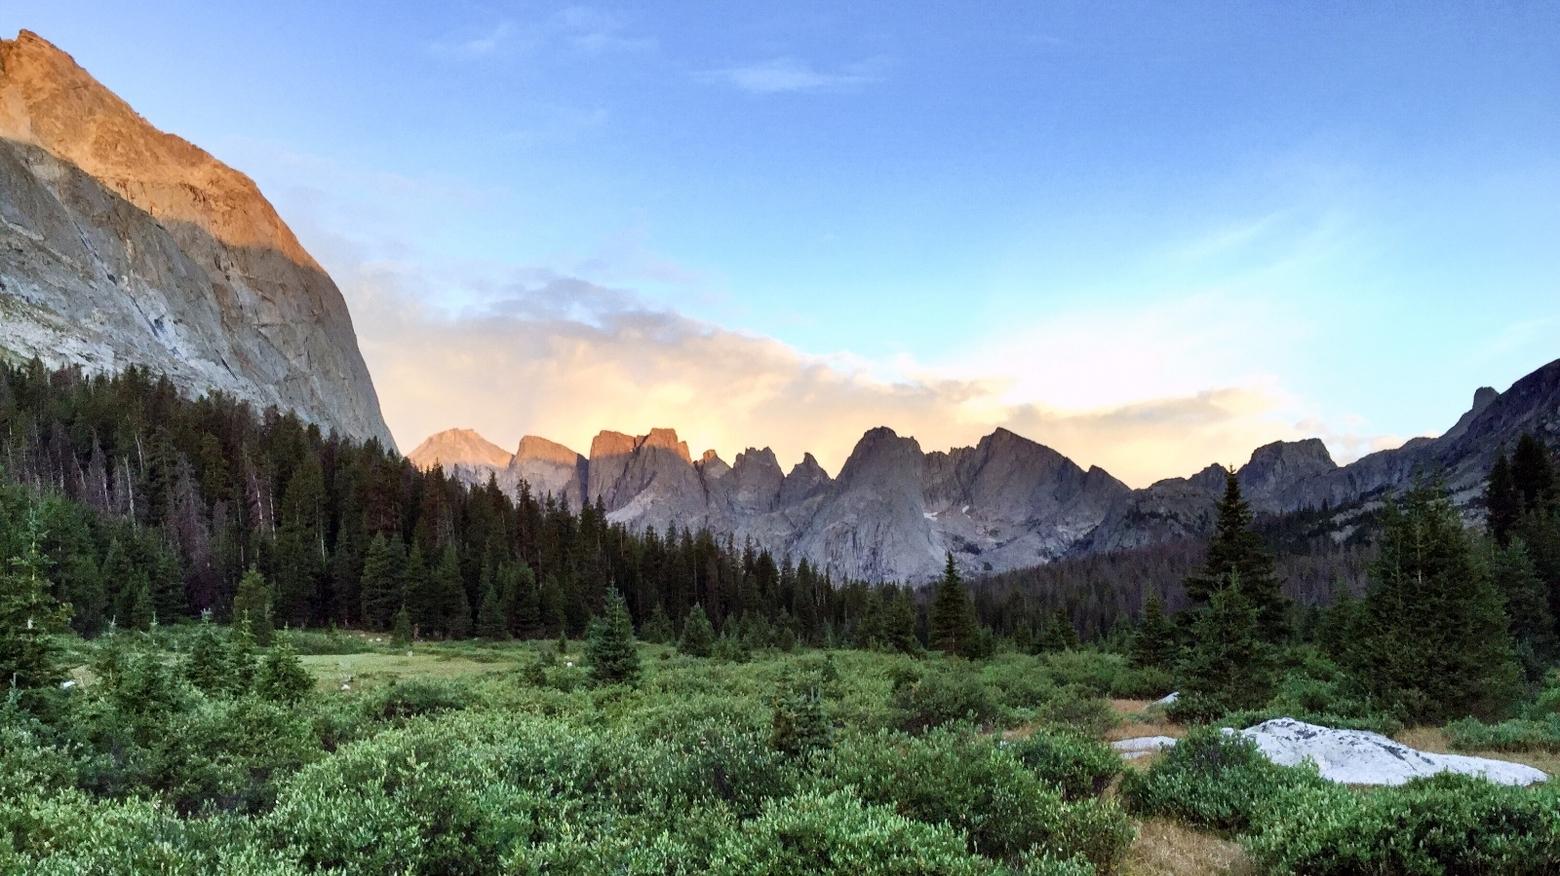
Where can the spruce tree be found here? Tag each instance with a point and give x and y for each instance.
(1154, 642)
(1236, 549)
(698, 636)
(1229, 665)
(1529, 620)
(1502, 501)
(952, 618)
(610, 651)
(490, 615)
(658, 628)
(899, 623)
(381, 582)
(282, 678)
(206, 665)
(401, 629)
(799, 726)
(1533, 473)
(137, 611)
(252, 606)
(1433, 638)
(28, 615)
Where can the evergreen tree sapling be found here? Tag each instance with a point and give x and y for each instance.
(282, 678)
(610, 651)
(698, 636)
(1154, 642)
(252, 606)
(28, 615)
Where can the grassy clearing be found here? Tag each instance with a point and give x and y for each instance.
(1434, 739)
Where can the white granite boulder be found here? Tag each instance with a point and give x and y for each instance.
(1142, 746)
(1359, 757)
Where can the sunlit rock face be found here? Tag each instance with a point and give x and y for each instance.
(895, 511)
(121, 245)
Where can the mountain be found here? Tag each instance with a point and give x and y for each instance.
(122, 245)
(1008, 502)
(460, 447)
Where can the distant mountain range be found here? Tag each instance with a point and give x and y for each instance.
(1005, 503)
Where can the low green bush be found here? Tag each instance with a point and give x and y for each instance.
(1076, 765)
(1445, 824)
(836, 833)
(1077, 708)
(964, 779)
(942, 696)
(1215, 780)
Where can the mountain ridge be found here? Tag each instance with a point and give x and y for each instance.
(1006, 502)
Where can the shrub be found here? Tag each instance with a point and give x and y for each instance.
(1520, 734)
(1076, 708)
(967, 781)
(1444, 824)
(836, 833)
(408, 698)
(942, 696)
(1214, 780)
(1078, 766)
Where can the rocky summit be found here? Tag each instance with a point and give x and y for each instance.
(1008, 502)
(122, 245)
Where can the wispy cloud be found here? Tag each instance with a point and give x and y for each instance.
(481, 45)
(581, 29)
(787, 74)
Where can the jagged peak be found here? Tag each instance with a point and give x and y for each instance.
(666, 439)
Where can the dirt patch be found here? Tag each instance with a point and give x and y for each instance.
(1168, 848)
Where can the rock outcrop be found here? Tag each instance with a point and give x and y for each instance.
(1352, 757)
(122, 245)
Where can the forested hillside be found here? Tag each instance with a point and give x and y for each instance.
(156, 505)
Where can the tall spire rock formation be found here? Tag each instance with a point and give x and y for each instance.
(121, 245)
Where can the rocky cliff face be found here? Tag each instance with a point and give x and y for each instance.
(121, 245)
(1008, 502)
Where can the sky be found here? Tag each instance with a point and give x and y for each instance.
(1152, 236)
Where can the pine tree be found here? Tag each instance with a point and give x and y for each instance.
(611, 652)
(401, 631)
(1059, 633)
(658, 628)
(137, 610)
(252, 606)
(952, 620)
(1154, 644)
(1236, 549)
(799, 727)
(899, 623)
(381, 582)
(490, 615)
(1526, 600)
(1433, 637)
(282, 678)
(206, 665)
(242, 667)
(1502, 501)
(698, 636)
(1533, 473)
(1228, 665)
(28, 614)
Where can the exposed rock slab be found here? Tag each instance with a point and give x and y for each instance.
(121, 245)
(1353, 757)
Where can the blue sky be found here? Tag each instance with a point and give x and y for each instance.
(1151, 235)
